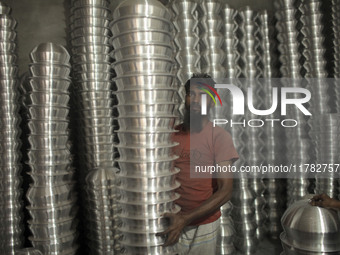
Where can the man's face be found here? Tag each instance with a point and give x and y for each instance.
(193, 100)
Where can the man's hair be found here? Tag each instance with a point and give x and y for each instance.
(206, 78)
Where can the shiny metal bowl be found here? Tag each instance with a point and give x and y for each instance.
(142, 225)
(146, 210)
(134, 123)
(80, 3)
(145, 153)
(100, 158)
(91, 21)
(94, 86)
(155, 80)
(311, 228)
(58, 228)
(147, 183)
(49, 98)
(146, 168)
(142, 50)
(141, 138)
(143, 66)
(89, 10)
(59, 178)
(92, 104)
(8, 72)
(97, 113)
(132, 250)
(7, 47)
(96, 121)
(135, 197)
(55, 245)
(38, 127)
(45, 169)
(141, 36)
(91, 58)
(79, 41)
(7, 35)
(98, 130)
(50, 53)
(5, 9)
(132, 109)
(93, 67)
(55, 71)
(39, 142)
(50, 113)
(99, 139)
(45, 196)
(36, 156)
(139, 23)
(145, 8)
(141, 239)
(87, 31)
(93, 76)
(6, 59)
(290, 250)
(45, 85)
(146, 96)
(91, 95)
(28, 251)
(92, 49)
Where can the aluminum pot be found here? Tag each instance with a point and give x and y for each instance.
(147, 184)
(311, 228)
(128, 196)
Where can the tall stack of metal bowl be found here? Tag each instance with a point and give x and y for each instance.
(310, 230)
(51, 196)
(93, 87)
(243, 215)
(327, 152)
(146, 178)
(288, 14)
(274, 142)
(186, 39)
(210, 27)
(336, 30)
(225, 239)
(92, 100)
(100, 212)
(11, 228)
(250, 66)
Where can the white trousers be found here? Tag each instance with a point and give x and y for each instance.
(198, 240)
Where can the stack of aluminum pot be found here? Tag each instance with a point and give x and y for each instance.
(51, 196)
(11, 227)
(186, 40)
(143, 53)
(92, 101)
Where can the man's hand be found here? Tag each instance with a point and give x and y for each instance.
(177, 223)
(324, 200)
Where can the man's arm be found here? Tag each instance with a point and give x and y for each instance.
(325, 201)
(219, 198)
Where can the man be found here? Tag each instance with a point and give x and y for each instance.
(194, 230)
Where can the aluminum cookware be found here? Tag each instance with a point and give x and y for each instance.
(127, 196)
(146, 95)
(50, 53)
(143, 65)
(147, 183)
(155, 123)
(145, 8)
(311, 228)
(150, 36)
(48, 70)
